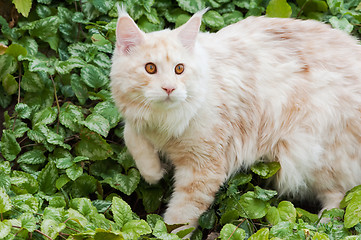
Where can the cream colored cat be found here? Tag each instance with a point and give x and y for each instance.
(213, 103)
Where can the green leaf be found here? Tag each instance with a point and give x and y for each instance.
(47, 30)
(266, 169)
(61, 181)
(83, 206)
(8, 65)
(93, 146)
(10, 148)
(79, 88)
(25, 181)
(23, 110)
(122, 212)
(208, 219)
(83, 186)
(133, 229)
(70, 116)
(5, 228)
(160, 231)
(152, 197)
(262, 234)
(342, 24)
(103, 5)
(10, 85)
(192, 6)
(74, 172)
(52, 228)
(5, 203)
(125, 183)
(251, 207)
(26, 203)
(231, 232)
(232, 17)
(284, 212)
(213, 19)
(28, 221)
(353, 212)
(46, 116)
(109, 111)
(64, 67)
(31, 82)
(98, 124)
(62, 158)
(321, 236)
(35, 156)
(278, 8)
(16, 50)
(47, 178)
(93, 76)
(78, 217)
(23, 6)
(264, 194)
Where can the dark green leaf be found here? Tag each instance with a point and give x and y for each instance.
(47, 178)
(93, 76)
(31, 82)
(125, 183)
(8, 65)
(25, 181)
(208, 219)
(45, 116)
(34, 156)
(98, 124)
(192, 6)
(10, 85)
(83, 186)
(93, 146)
(213, 19)
(10, 148)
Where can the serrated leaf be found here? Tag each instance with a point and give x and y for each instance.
(74, 172)
(125, 183)
(28, 221)
(78, 217)
(70, 116)
(262, 234)
(35, 156)
(26, 203)
(47, 178)
(93, 146)
(93, 76)
(52, 228)
(208, 219)
(5, 203)
(62, 158)
(101, 234)
(264, 194)
(16, 50)
(98, 124)
(83, 206)
(25, 181)
(192, 6)
(353, 212)
(8, 65)
(23, 6)
(5, 229)
(213, 19)
(46, 116)
(79, 88)
(83, 186)
(231, 232)
(122, 212)
(133, 229)
(342, 24)
(30, 45)
(31, 82)
(42, 65)
(152, 198)
(278, 8)
(61, 181)
(160, 231)
(64, 67)
(232, 17)
(46, 29)
(10, 148)
(23, 110)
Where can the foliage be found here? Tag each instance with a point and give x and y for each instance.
(64, 171)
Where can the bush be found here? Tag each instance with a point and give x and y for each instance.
(64, 170)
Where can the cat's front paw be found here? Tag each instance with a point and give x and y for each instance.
(154, 176)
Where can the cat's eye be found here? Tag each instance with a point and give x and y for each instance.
(150, 68)
(179, 68)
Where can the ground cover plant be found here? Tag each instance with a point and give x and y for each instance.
(64, 170)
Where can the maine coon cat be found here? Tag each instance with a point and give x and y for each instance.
(213, 103)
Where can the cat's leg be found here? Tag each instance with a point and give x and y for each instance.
(194, 191)
(144, 154)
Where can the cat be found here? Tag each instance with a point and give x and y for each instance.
(286, 90)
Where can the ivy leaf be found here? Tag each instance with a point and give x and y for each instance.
(47, 178)
(35, 156)
(98, 124)
(93, 76)
(10, 148)
(231, 232)
(23, 6)
(5, 203)
(122, 212)
(278, 8)
(192, 6)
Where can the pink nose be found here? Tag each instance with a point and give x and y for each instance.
(168, 90)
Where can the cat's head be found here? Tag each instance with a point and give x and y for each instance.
(161, 70)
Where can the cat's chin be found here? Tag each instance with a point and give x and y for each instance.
(166, 104)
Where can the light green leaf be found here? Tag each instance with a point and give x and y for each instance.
(103, 5)
(264, 194)
(160, 231)
(278, 8)
(342, 24)
(70, 116)
(26, 203)
(31, 82)
(10, 148)
(16, 50)
(52, 228)
(28, 221)
(102, 234)
(251, 207)
(266, 169)
(231, 232)
(62, 158)
(23, 110)
(47, 178)
(125, 183)
(262, 234)
(78, 217)
(133, 229)
(8, 65)
(98, 124)
(25, 181)
(122, 212)
(93, 76)
(47, 30)
(353, 212)
(321, 236)
(284, 212)
(5, 228)
(61, 181)
(42, 65)
(46, 116)
(192, 6)
(64, 67)
(35, 156)
(23, 6)
(74, 172)
(5, 203)
(213, 19)
(10, 85)
(83, 206)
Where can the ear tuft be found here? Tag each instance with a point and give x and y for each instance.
(188, 32)
(128, 34)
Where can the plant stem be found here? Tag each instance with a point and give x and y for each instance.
(57, 102)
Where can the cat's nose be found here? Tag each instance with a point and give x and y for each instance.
(168, 90)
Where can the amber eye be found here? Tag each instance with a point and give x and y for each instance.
(179, 68)
(150, 68)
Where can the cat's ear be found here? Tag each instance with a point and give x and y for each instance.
(128, 34)
(188, 32)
